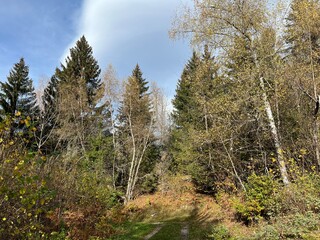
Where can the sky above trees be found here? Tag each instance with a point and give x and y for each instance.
(121, 32)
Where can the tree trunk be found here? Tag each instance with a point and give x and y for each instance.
(275, 135)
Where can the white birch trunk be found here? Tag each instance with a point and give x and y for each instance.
(275, 135)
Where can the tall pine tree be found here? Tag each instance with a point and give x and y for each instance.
(137, 74)
(17, 94)
(82, 65)
(135, 131)
(79, 92)
(47, 122)
(191, 144)
(183, 102)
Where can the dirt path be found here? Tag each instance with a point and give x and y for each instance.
(154, 232)
(185, 232)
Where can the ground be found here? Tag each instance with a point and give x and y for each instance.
(174, 212)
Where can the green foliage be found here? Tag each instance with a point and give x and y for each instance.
(143, 84)
(267, 233)
(48, 117)
(296, 226)
(82, 65)
(301, 196)
(17, 94)
(260, 199)
(183, 102)
(24, 195)
(149, 184)
(191, 144)
(220, 232)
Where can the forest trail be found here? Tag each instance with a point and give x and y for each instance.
(185, 232)
(154, 232)
(169, 231)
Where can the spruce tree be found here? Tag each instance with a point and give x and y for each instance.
(79, 92)
(193, 121)
(48, 117)
(135, 130)
(17, 94)
(183, 102)
(50, 94)
(137, 74)
(82, 65)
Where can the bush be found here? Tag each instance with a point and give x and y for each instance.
(296, 226)
(220, 232)
(260, 200)
(25, 199)
(267, 233)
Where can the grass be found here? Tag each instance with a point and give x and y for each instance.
(170, 231)
(199, 232)
(134, 231)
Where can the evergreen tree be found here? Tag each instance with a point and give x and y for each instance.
(183, 102)
(193, 121)
(79, 92)
(50, 94)
(48, 117)
(137, 74)
(82, 65)
(17, 94)
(135, 131)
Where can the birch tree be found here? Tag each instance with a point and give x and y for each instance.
(112, 98)
(136, 127)
(221, 24)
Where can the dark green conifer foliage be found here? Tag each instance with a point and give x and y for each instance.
(192, 119)
(183, 102)
(17, 94)
(50, 94)
(48, 116)
(79, 93)
(82, 64)
(136, 80)
(134, 132)
(137, 74)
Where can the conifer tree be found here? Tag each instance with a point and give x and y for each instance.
(50, 94)
(192, 121)
(82, 65)
(223, 23)
(183, 101)
(135, 131)
(137, 74)
(47, 122)
(17, 94)
(79, 92)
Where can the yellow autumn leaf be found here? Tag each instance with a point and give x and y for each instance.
(303, 151)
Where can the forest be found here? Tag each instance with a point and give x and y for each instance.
(96, 157)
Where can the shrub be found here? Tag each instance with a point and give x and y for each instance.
(296, 226)
(220, 232)
(260, 199)
(267, 233)
(25, 198)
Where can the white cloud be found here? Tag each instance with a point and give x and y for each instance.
(126, 32)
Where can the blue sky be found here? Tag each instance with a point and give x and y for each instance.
(121, 32)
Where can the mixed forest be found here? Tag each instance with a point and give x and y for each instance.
(243, 134)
